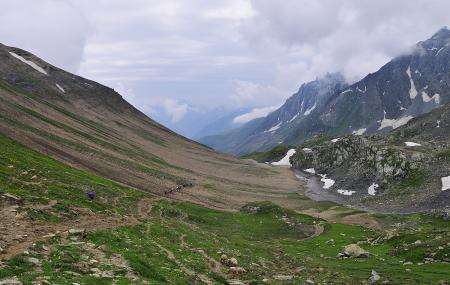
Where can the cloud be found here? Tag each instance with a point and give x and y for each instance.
(356, 37)
(202, 55)
(174, 109)
(246, 93)
(254, 114)
(54, 30)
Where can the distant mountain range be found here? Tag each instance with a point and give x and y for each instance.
(406, 87)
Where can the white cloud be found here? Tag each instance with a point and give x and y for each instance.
(54, 30)
(254, 114)
(208, 54)
(175, 109)
(246, 93)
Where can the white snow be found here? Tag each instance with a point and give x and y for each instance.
(438, 124)
(310, 170)
(307, 112)
(307, 150)
(29, 62)
(362, 91)
(394, 123)
(412, 144)
(439, 51)
(328, 183)
(335, 140)
(274, 128)
(426, 98)
(372, 190)
(346, 192)
(445, 183)
(359, 132)
(346, 91)
(412, 90)
(285, 160)
(60, 88)
(293, 118)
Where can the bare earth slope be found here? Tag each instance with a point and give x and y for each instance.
(90, 126)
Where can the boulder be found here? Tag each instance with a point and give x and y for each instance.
(355, 251)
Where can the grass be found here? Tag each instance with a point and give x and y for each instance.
(266, 239)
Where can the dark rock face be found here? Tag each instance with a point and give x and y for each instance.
(404, 88)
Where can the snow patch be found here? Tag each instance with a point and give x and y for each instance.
(426, 98)
(346, 192)
(346, 91)
(359, 132)
(274, 128)
(412, 144)
(394, 123)
(372, 190)
(438, 124)
(285, 160)
(307, 112)
(293, 118)
(412, 90)
(445, 183)
(307, 150)
(310, 170)
(362, 91)
(328, 183)
(335, 140)
(60, 88)
(439, 51)
(29, 62)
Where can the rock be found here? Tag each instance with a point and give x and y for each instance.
(309, 281)
(418, 242)
(76, 231)
(10, 281)
(223, 259)
(34, 261)
(236, 270)
(354, 250)
(408, 263)
(232, 262)
(375, 277)
(283, 277)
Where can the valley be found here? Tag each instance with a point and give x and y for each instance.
(92, 191)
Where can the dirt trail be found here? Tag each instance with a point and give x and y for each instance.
(18, 232)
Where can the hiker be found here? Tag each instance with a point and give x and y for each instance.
(91, 195)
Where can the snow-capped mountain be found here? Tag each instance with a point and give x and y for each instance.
(407, 86)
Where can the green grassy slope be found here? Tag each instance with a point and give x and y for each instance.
(181, 243)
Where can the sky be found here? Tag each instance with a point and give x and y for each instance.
(189, 62)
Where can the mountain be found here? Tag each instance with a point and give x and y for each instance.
(222, 124)
(91, 127)
(264, 133)
(92, 191)
(407, 86)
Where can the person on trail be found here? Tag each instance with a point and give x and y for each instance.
(91, 195)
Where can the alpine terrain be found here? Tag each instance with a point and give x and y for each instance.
(406, 87)
(92, 191)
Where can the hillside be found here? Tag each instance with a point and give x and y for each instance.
(52, 234)
(406, 87)
(91, 127)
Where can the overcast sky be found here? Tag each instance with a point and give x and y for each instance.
(173, 57)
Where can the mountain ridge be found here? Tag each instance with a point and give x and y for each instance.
(406, 86)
